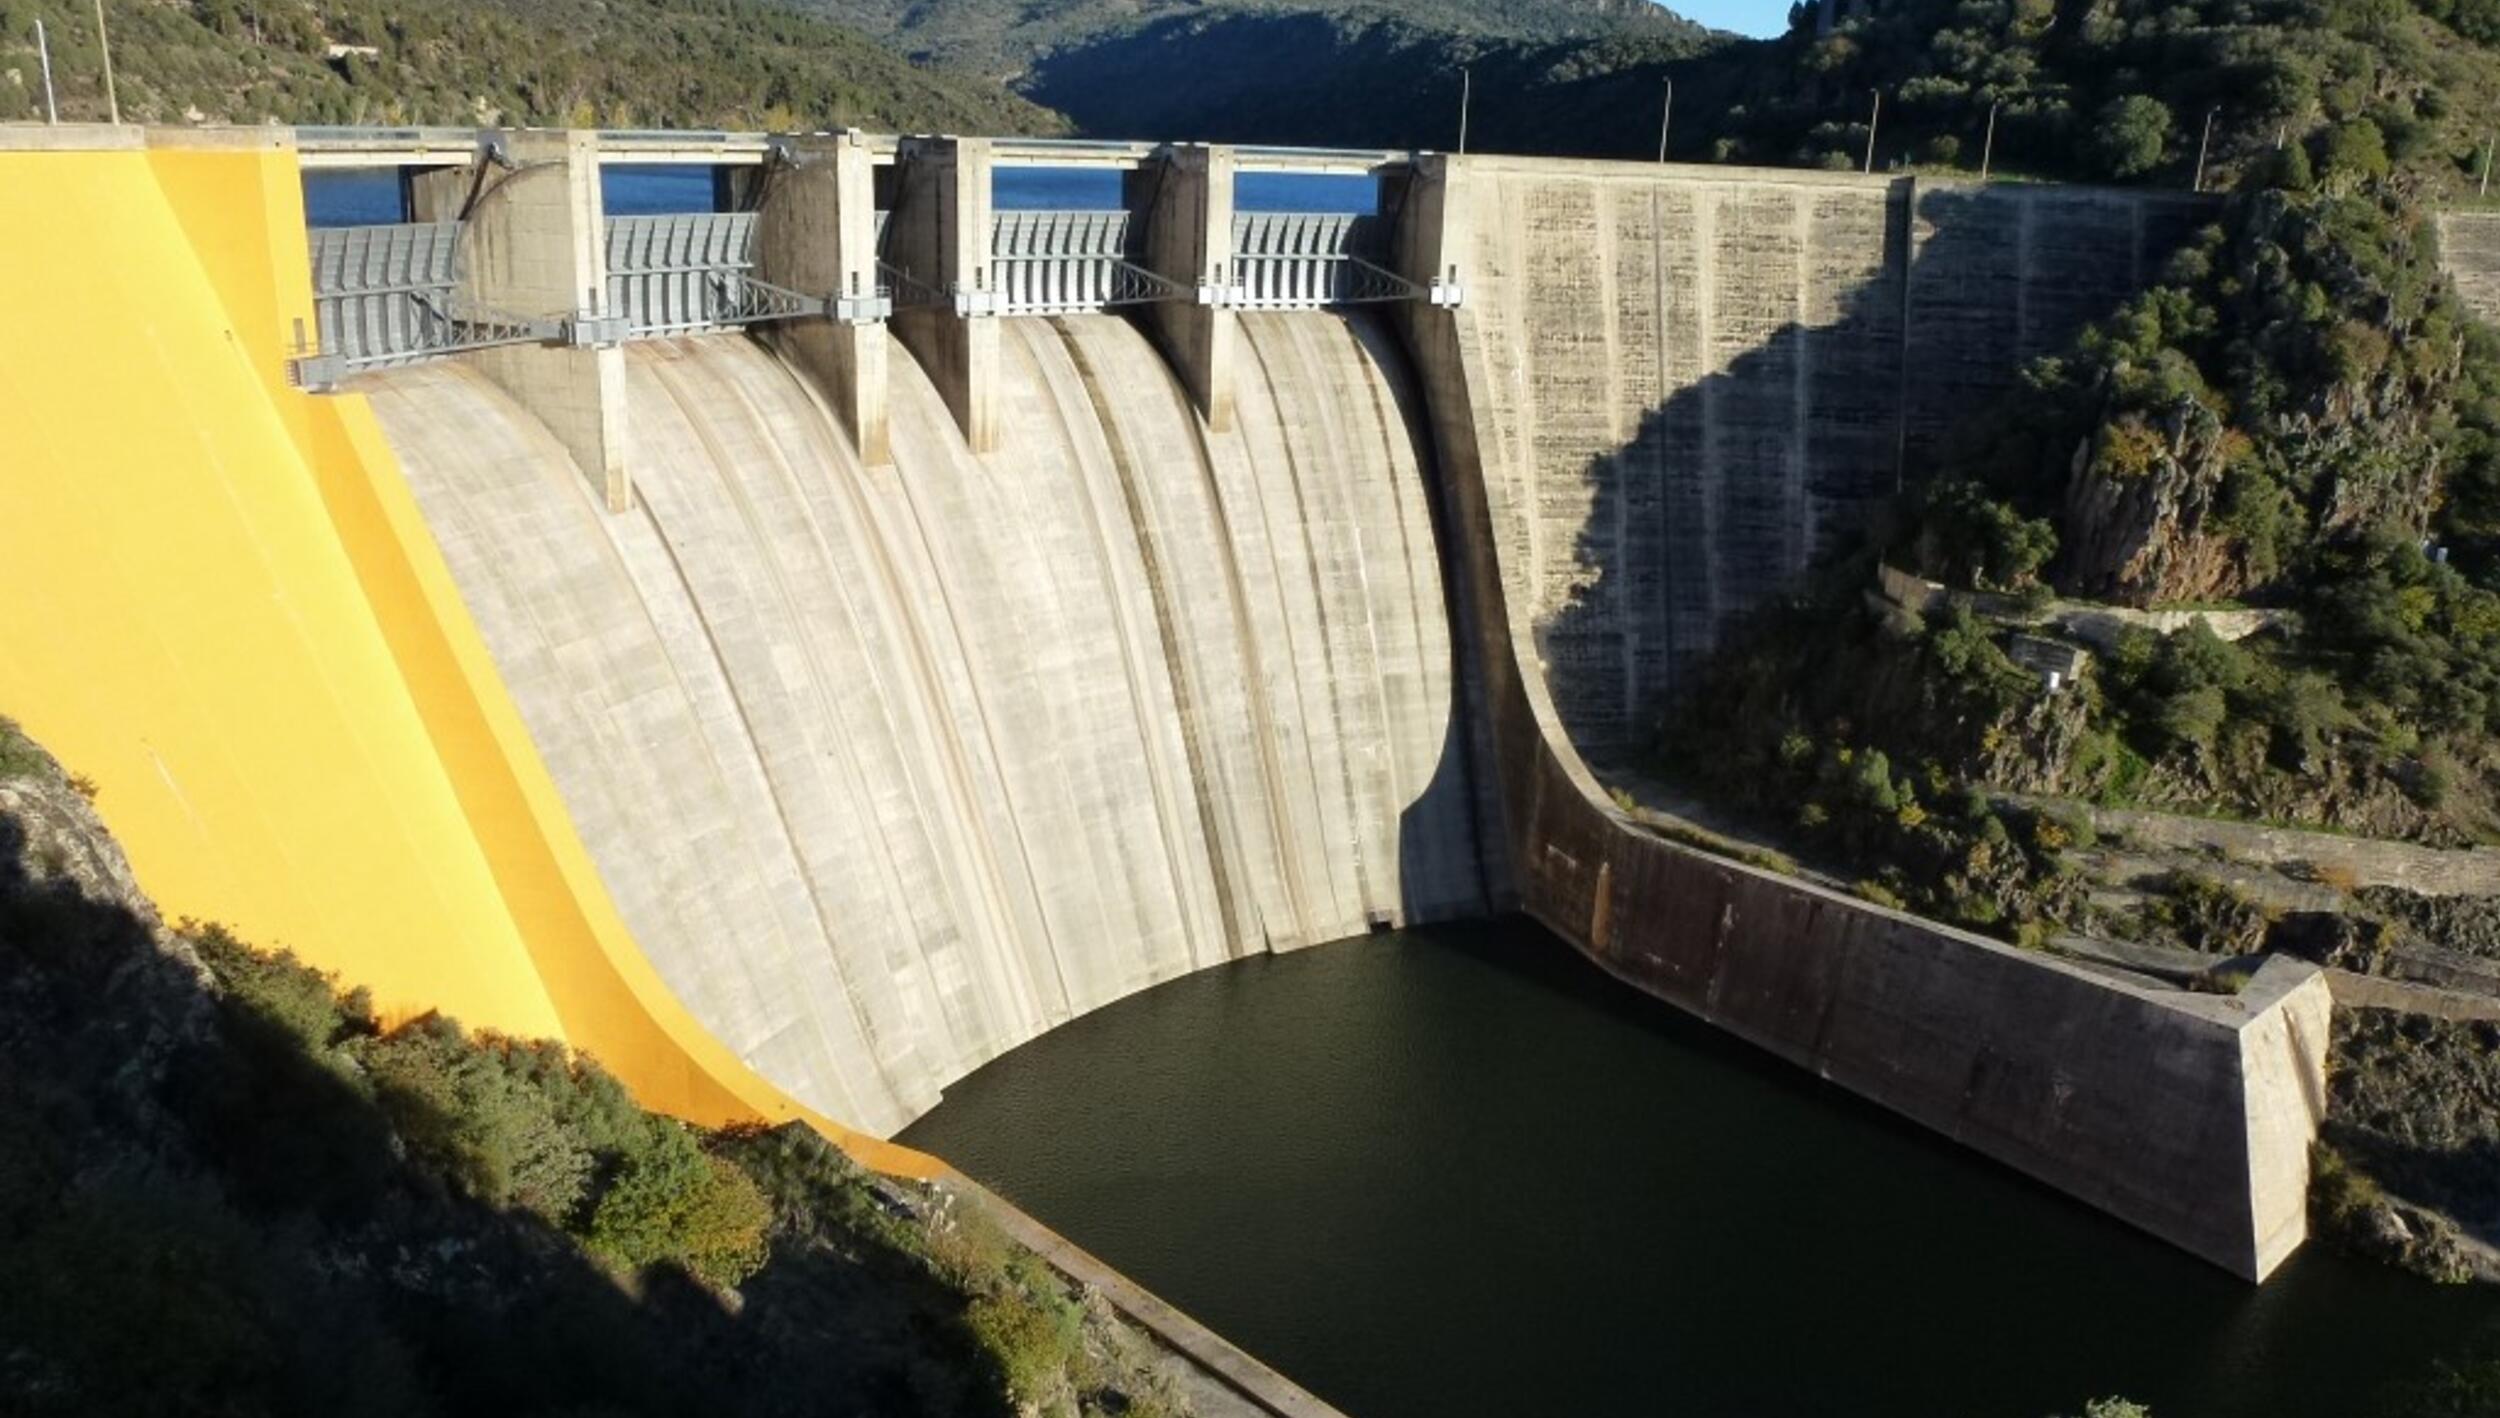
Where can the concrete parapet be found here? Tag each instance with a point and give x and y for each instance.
(938, 236)
(534, 244)
(1186, 199)
(2189, 1116)
(817, 234)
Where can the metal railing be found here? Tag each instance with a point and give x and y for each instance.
(682, 273)
(1306, 260)
(1056, 263)
(388, 295)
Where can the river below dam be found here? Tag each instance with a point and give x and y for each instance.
(1460, 1172)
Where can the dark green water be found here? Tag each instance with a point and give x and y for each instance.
(1459, 1172)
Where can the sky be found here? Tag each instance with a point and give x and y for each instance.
(1753, 17)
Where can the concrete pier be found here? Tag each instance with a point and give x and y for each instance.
(1185, 197)
(938, 236)
(534, 245)
(817, 233)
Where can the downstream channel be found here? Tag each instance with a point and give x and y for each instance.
(1460, 1172)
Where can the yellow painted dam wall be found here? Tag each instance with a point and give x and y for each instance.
(219, 603)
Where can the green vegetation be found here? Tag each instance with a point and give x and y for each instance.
(2286, 419)
(228, 1182)
(1862, 742)
(615, 63)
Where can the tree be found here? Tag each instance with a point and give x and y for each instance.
(2353, 153)
(2131, 135)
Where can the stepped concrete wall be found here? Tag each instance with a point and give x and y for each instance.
(892, 769)
(2187, 1115)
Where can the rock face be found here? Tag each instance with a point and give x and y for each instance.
(67, 896)
(2141, 500)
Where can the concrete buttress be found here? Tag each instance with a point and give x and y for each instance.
(817, 234)
(938, 236)
(534, 244)
(1186, 198)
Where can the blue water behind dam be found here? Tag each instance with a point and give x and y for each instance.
(370, 196)
(1460, 1172)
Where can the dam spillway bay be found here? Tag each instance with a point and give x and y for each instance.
(799, 655)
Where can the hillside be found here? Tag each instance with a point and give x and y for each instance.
(613, 63)
(1013, 41)
(2103, 90)
(229, 1189)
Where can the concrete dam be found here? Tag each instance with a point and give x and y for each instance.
(798, 654)
(950, 751)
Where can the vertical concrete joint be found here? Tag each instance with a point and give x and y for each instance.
(1184, 197)
(939, 237)
(534, 244)
(816, 233)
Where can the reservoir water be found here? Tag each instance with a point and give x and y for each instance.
(368, 196)
(1460, 1172)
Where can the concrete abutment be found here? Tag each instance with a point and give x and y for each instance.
(2188, 1116)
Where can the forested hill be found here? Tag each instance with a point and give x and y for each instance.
(1009, 39)
(2104, 90)
(614, 63)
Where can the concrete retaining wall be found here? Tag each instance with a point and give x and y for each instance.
(1702, 378)
(2189, 1116)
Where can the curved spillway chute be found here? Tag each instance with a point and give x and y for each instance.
(890, 769)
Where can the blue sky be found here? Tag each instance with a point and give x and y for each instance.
(1754, 17)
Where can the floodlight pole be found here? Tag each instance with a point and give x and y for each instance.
(104, 44)
(43, 53)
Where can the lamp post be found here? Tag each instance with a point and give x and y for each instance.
(43, 52)
(1466, 89)
(1665, 117)
(2202, 146)
(112, 101)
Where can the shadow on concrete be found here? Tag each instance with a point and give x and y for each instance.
(1738, 483)
(197, 1215)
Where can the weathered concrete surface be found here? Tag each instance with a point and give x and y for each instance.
(892, 769)
(2186, 1115)
(1707, 376)
(2469, 251)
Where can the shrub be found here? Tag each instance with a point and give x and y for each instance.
(2131, 135)
(678, 1203)
(1031, 1345)
(301, 1003)
(462, 1110)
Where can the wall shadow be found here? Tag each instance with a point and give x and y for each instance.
(198, 1215)
(1737, 484)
